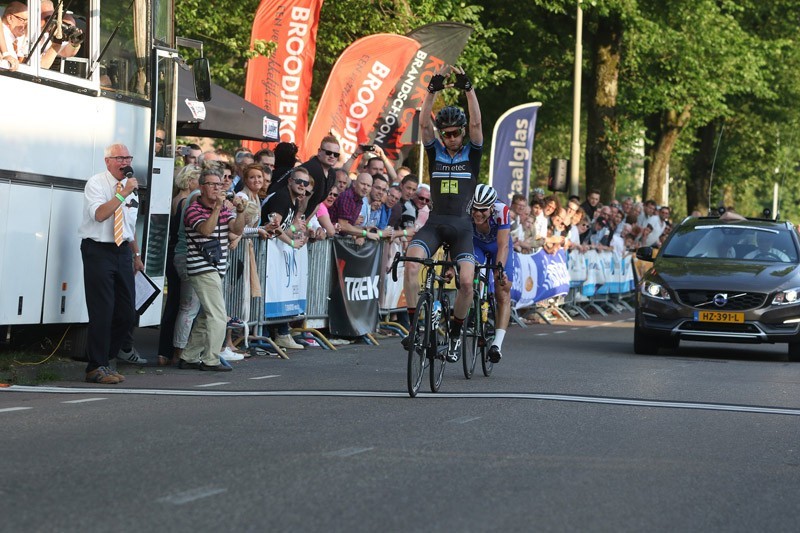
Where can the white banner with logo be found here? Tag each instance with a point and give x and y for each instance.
(287, 280)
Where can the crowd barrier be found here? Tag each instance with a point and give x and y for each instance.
(336, 285)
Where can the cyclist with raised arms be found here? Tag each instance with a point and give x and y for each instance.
(491, 237)
(454, 167)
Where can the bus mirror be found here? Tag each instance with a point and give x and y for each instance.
(202, 79)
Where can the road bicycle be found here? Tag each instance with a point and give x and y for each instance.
(480, 323)
(429, 333)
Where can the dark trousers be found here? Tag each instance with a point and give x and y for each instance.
(171, 307)
(108, 282)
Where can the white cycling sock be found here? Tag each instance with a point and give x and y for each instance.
(499, 335)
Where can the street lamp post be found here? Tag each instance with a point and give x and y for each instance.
(575, 157)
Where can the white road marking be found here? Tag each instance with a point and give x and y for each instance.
(10, 409)
(85, 400)
(267, 377)
(465, 419)
(559, 332)
(347, 452)
(180, 498)
(218, 383)
(606, 400)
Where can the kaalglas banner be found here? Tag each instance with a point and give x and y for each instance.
(353, 306)
(441, 43)
(359, 84)
(538, 277)
(512, 151)
(281, 83)
(287, 280)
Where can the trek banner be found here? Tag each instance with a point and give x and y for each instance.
(281, 83)
(512, 151)
(441, 43)
(354, 298)
(359, 84)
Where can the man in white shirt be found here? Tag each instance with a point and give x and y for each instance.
(110, 256)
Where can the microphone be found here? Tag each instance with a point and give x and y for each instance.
(128, 172)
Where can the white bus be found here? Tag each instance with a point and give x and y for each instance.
(56, 122)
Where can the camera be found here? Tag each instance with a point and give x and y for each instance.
(368, 147)
(230, 195)
(73, 34)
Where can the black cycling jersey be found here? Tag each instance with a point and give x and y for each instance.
(453, 178)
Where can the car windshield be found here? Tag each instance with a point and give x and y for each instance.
(725, 241)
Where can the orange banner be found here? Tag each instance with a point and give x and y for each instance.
(281, 84)
(357, 89)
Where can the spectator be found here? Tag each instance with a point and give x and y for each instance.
(538, 194)
(320, 226)
(14, 43)
(373, 211)
(191, 154)
(590, 205)
(208, 155)
(648, 211)
(281, 208)
(242, 160)
(208, 224)
(346, 210)
(517, 206)
(266, 157)
(342, 180)
(175, 326)
(374, 161)
(422, 205)
(285, 155)
(658, 223)
(110, 256)
(402, 172)
(393, 197)
(57, 42)
(540, 223)
(408, 186)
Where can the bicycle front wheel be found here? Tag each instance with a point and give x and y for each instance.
(418, 345)
(440, 342)
(472, 333)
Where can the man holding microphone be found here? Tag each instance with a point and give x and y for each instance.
(110, 256)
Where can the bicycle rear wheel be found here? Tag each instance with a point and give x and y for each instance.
(418, 348)
(472, 333)
(487, 334)
(440, 343)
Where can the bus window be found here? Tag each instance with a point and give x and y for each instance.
(125, 66)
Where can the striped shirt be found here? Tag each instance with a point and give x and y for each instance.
(193, 216)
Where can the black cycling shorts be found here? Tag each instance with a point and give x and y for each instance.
(456, 231)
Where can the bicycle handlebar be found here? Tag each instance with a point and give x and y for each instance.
(427, 262)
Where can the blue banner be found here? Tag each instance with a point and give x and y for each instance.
(512, 151)
(538, 277)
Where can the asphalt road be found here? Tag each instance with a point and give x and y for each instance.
(572, 432)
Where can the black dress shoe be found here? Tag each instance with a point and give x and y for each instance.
(215, 368)
(186, 365)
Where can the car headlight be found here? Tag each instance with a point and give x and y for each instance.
(655, 290)
(787, 297)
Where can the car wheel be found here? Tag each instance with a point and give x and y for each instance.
(643, 344)
(794, 352)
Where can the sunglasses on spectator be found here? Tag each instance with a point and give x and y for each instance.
(330, 153)
(159, 140)
(304, 183)
(423, 199)
(452, 134)
(333, 194)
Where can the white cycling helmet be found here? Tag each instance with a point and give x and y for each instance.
(485, 196)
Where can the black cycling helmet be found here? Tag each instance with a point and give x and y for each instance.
(449, 117)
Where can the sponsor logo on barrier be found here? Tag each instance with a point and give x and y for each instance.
(290, 261)
(361, 289)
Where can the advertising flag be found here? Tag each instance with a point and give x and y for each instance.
(512, 150)
(359, 84)
(440, 43)
(281, 83)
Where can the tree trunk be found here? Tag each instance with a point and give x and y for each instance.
(602, 139)
(663, 132)
(699, 181)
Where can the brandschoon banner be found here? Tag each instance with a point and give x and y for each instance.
(355, 291)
